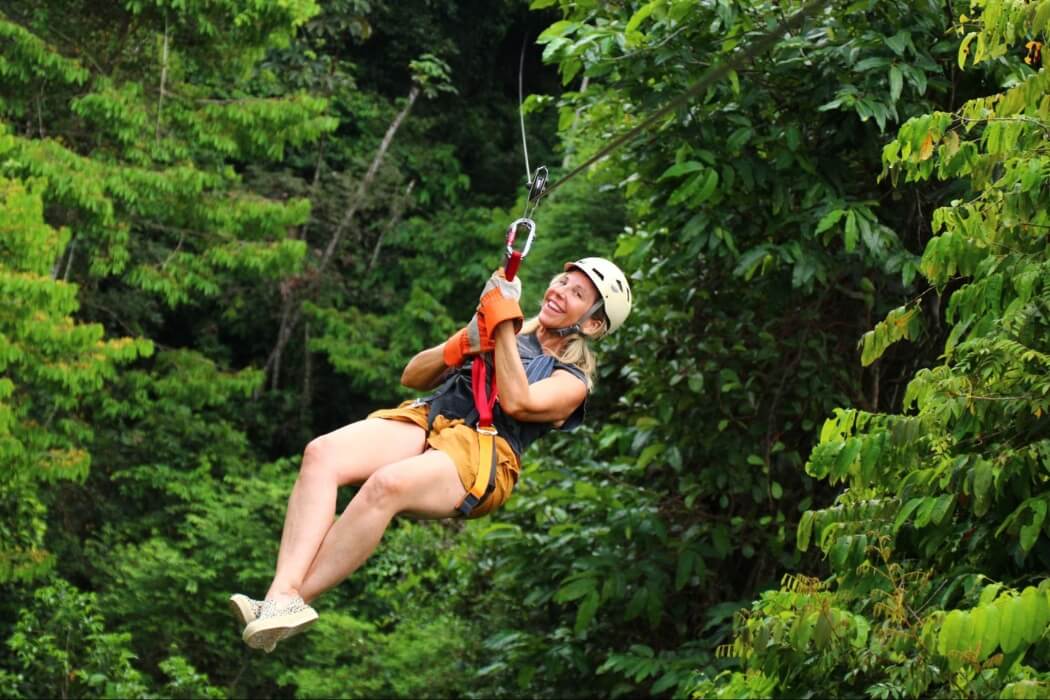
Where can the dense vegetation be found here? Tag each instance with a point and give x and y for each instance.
(816, 458)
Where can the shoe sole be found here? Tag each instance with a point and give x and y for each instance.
(264, 634)
(241, 607)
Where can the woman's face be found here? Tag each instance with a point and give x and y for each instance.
(568, 298)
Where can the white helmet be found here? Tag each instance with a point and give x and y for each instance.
(612, 287)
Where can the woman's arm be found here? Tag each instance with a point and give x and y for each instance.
(550, 400)
(425, 370)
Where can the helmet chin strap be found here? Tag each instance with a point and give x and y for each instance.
(576, 328)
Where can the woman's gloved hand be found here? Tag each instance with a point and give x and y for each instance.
(509, 289)
(498, 303)
(466, 342)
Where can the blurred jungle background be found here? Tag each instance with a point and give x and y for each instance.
(816, 459)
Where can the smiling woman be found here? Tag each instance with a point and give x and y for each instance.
(453, 453)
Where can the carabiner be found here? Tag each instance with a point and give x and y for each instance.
(514, 257)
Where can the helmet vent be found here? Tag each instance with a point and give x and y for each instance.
(599, 273)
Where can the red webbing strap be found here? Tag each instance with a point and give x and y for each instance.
(483, 403)
(485, 479)
(513, 263)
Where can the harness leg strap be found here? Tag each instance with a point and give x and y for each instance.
(485, 481)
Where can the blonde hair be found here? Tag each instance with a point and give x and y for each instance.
(576, 349)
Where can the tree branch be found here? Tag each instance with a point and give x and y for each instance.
(399, 209)
(163, 80)
(291, 311)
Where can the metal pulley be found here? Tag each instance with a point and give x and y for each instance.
(525, 226)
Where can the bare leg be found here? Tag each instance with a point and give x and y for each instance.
(349, 455)
(427, 486)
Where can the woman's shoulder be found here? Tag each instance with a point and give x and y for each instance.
(571, 369)
(529, 345)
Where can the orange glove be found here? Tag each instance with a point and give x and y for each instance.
(466, 342)
(499, 303)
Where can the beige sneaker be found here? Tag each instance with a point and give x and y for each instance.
(276, 622)
(245, 609)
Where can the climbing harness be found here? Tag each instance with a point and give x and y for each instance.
(485, 480)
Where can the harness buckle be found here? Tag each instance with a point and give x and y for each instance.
(489, 430)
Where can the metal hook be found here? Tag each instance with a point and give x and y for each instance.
(514, 257)
(522, 225)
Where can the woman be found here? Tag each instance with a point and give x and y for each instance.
(423, 457)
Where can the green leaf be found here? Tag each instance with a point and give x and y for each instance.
(896, 83)
(828, 220)
(986, 624)
(706, 189)
(1035, 613)
(850, 237)
(556, 31)
(899, 41)
(952, 635)
(1012, 626)
(667, 681)
(871, 63)
(1030, 532)
(636, 605)
(982, 483)
(906, 512)
(964, 48)
(585, 613)
(823, 630)
(803, 630)
(576, 588)
(749, 262)
(941, 508)
(805, 531)
(679, 169)
(839, 553)
(696, 383)
(649, 453)
(989, 592)
(738, 138)
(925, 512)
(638, 17)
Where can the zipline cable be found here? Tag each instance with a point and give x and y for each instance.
(521, 110)
(713, 74)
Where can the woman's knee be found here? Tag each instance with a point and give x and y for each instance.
(385, 489)
(320, 458)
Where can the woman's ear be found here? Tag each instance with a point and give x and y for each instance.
(592, 327)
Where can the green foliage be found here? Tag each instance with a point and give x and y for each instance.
(61, 649)
(760, 247)
(938, 545)
(204, 178)
(51, 365)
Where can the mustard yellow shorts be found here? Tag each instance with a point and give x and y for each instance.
(460, 442)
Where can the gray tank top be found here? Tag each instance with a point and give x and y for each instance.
(455, 397)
